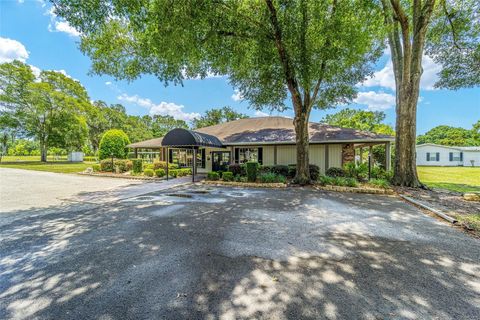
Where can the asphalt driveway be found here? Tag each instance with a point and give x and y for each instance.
(221, 253)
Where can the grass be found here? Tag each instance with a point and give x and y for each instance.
(31, 158)
(471, 220)
(50, 167)
(459, 179)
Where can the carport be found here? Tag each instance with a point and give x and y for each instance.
(189, 139)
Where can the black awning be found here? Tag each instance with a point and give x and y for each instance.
(189, 138)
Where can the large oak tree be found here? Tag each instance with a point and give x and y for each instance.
(309, 52)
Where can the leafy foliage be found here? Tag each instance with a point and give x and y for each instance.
(148, 172)
(335, 172)
(361, 120)
(137, 165)
(213, 176)
(251, 169)
(227, 176)
(217, 116)
(113, 144)
(160, 173)
(451, 136)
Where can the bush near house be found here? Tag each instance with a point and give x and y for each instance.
(292, 170)
(160, 173)
(96, 167)
(252, 171)
(163, 165)
(271, 177)
(237, 169)
(122, 165)
(358, 172)
(227, 176)
(106, 165)
(335, 172)
(113, 144)
(148, 172)
(214, 176)
(137, 166)
(379, 183)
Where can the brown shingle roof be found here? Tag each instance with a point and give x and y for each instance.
(281, 130)
(147, 144)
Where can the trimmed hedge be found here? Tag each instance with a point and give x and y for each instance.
(271, 177)
(137, 165)
(227, 176)
(163, 165)
(148, 172)
(252, 171)
(106, 165)
(160, 173)
(214, 176)
(113, 144)
(96, 167)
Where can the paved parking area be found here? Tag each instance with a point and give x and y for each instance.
(198, 252)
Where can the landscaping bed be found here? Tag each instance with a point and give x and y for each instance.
(246, 184)
(361, 189)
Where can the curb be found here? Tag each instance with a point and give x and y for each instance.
(424, 206)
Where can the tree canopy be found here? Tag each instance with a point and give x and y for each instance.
(312, 52)
(452, 136)
(217, 116)
(360, 119)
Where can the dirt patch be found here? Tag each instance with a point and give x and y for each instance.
(449, 202)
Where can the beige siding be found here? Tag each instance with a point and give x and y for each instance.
(268, 155)
(335, 155)
(286, 154)
(317, 156)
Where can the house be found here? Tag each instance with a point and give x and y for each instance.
(267, 140)
(430, 154)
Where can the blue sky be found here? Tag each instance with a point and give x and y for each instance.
(29, 31)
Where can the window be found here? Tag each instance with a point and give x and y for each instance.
(433, 156)
(182, 157)
(243, 155)
(456, 156)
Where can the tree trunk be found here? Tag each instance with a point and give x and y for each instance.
(43, 152)
(302, 176)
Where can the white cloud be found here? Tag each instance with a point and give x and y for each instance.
(108, 83)
(385, 78)
(259, 113)
(237, 95)
(12, 50)
(36, 71)
(375, 101)
(163, 108)
(59, 25)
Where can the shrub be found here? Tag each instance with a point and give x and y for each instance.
(380, 173)
(160, 173)
(335, 172)
(252, 171)
(243, 179)
(122, 165)
(340, 181)
(325, 180)
(148, 172)
(173, 173)
(291, 170)
(227, 176)
(314, 171)
(214, 176)
(351, 182)
(137, 165)
(163, 165)
(237, 169)
(113, 143)
(96, 167)
(280, 169)
(183, 172)
(148, 166)
(106, 165)
(379, 183)
(359, 172)
(271, 177)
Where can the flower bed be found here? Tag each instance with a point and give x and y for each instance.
(121, 176)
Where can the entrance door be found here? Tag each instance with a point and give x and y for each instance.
(220, 160)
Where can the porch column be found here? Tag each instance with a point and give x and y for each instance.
(361, 155)
(194, 167)
(388, 156)
(369, 162)
(135, 152)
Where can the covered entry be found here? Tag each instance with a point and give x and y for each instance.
(191, 140)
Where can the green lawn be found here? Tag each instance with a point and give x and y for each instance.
(460, 179)
(31, 158)
(50, 167)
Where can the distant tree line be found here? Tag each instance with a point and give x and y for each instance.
(452, 136)
(53, 114)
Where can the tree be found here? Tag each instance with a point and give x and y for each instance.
(312, 52)
(217, 116)
(48, 108)
(160, 125)
(113, 144)
(409, 25)
(359, 119)
(450, 136)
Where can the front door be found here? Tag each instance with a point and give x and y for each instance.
(220, 160)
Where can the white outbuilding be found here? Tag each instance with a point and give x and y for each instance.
(430, 154)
